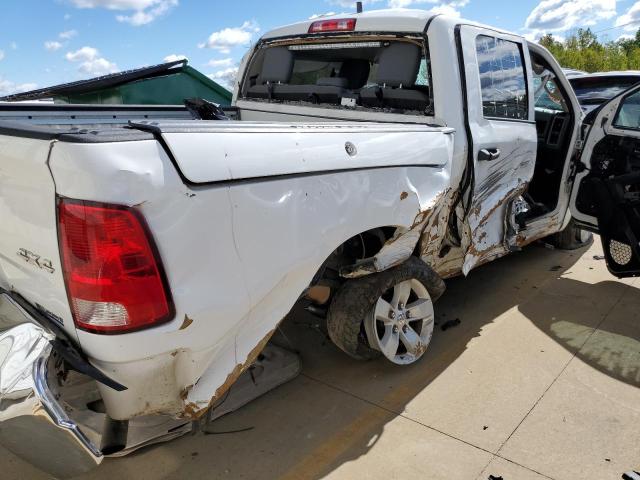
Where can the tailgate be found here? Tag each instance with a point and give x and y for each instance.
(206, 152)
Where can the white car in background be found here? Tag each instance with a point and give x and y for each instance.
(572, 72)
(593, 89)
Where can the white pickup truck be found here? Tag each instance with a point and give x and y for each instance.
(146, 257)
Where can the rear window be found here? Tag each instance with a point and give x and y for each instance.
(384, 75)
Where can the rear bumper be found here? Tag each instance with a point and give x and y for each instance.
(33, 425)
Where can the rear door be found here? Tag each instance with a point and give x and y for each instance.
(500, 121)
(606, 192)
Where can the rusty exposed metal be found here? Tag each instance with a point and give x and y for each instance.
(186, 322)
(192, 410)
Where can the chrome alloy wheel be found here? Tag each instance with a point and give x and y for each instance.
(401, 323)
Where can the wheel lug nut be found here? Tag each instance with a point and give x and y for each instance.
(395, 329)
(404, 328)
(408, 314)
(400, 305)
(392, 314)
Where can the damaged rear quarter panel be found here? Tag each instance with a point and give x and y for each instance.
(285, 229)
(281, 251)
(237, 256)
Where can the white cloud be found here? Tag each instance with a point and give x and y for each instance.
(625, 36)
(1, 54)
(227, 38)
(13, 45)
(142, 11)
(350, 4)
(99, 66)
(439, 7)
(68, 34)
(561, 15)
(82, 55)
(91, 62)
(632, 15)
(52, 45)
(173, 58)
(319, 15)
(445, 7)
(115, 4)
(67, 16)
(142, 17)
(225, 62)
(8, 87)
(438, 4)
(226, 77)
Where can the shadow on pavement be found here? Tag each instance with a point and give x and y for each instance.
(614, 349)
(309, 427)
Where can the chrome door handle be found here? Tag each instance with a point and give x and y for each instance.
(488, 154)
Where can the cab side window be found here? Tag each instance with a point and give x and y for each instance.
(502, 79)
(628, 115)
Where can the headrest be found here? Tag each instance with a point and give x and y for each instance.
(399, 64)
(356, 71)
(277, 65)
(332, 82)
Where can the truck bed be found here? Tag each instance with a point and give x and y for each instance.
(243, 214)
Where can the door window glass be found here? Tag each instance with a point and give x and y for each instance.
(628, 115)
(502, 78)
(547, 94)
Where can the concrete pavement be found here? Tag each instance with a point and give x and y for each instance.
(540, 380)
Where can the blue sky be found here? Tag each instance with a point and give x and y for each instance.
(45, 42)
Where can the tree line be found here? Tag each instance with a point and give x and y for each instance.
(583, 51)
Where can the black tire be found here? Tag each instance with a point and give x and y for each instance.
(355, 299)
(571, 238)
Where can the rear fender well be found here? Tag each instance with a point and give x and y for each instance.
(429, 227)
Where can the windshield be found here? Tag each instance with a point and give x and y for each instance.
(592, 92)
(390, 75)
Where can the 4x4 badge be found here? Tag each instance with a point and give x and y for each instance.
(37, 260)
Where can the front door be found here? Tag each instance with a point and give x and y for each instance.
(606, 192)
(500, 121)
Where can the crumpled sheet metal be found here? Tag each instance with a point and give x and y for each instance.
(429, 222)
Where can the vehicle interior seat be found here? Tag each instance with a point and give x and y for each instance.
(353, 75)
(276, 71)
(398, 67)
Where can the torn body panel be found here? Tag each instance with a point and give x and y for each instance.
(490, 221)
(429, 230)
(198, 399)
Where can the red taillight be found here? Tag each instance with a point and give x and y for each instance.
(339, 25)
(114, 278)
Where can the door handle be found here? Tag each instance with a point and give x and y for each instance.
(488, 154)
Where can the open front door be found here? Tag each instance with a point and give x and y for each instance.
(606, 193)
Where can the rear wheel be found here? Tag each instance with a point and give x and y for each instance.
(400, 325)
(388, 313)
